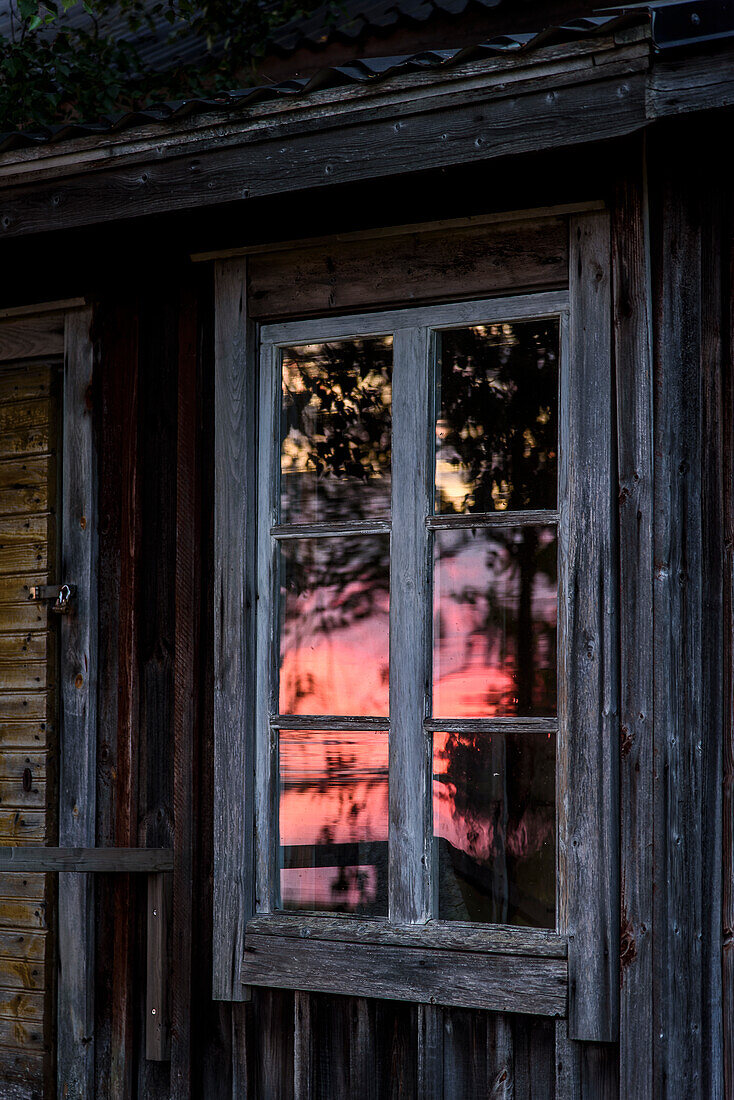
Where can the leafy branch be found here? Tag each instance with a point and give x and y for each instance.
(81, 61)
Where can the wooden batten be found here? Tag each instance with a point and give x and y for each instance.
(588, 777)
(78, 680)
(234, 539)
(634, 393)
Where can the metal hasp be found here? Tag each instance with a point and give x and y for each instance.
(61, 594)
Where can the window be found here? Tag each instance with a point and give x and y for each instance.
(416, 650)
(407, 613)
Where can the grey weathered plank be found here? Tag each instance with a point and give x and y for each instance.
(416, 267)
(233, 601)
(410, 749)
(330, 530)
(490, 120)
(386, 232)
(186, 697)
(329, 722)
(542, 726)
(475, 520)
(588, 681)
(454, 314)
(430, 1052)
(78, 656)
(157, 992)
(716, 296)
(87, 860)
(437, 935)
(568, 1064)
(302, 1047)
(688, 640)
(633, 368)
(266, 758)
(728, 655)
(500, 983)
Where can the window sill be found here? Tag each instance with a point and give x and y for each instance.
(499, 968)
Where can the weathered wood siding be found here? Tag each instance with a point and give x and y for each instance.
(29, 403)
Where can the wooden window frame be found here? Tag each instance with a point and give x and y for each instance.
(572, 971)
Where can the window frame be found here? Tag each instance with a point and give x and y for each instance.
(414, 332)
(295, 951)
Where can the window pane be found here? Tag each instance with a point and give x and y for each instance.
(333, 821)
(334, 598)
(497, 428)
(494, 827)
(494, 622)
(335, 431)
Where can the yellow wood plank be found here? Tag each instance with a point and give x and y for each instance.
(22, 675)
(13, 764)
(26, 705)
(22, 826)
(29, 440)
(17, 913)
(23, 500)
(13, 795)
(25, 647)
(15, 884)
(18, 557)
(27, 383)
(20, 1006)
(27, 735)
(17, 589)
(24, 948)
(25, 414)
(29, 471)
(27, 1035)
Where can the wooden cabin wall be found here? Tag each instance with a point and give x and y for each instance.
(672, 255)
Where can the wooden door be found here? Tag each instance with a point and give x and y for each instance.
(31, 364)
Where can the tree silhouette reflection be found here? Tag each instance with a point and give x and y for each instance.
(494, 624)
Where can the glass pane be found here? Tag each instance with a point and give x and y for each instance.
(494, 622)
(334, 602)
(335, 431)
(333, 821)
(497, 429)
(494, 827)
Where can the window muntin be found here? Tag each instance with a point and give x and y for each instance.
(353, 885)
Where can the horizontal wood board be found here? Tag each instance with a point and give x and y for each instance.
(501, 983)
(415, 267)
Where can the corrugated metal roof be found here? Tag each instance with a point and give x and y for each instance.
(355, 18)
(366, 71)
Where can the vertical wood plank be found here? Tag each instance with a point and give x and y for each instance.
(714, 482)
(728, 610)
(233, 601)
(568, 1064)
(266, 745)
(410, 577)
(363, 1081)
(588, 771)
(186, 691)
(75, 1024)
(119, 538)
(633, 369)
(688, 635)
(302, 1047)
(430, 1052)
(157, 1023)
(156, 626)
